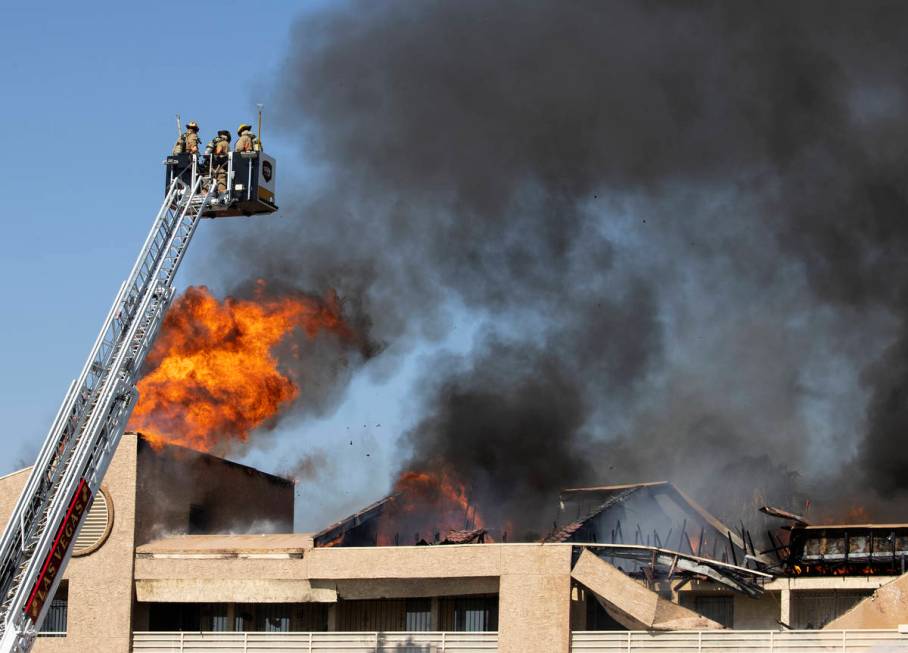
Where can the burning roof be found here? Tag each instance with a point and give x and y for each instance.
(425, 510)
(359, 529)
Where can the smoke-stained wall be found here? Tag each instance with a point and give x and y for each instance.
(682, 226)
(186, 492)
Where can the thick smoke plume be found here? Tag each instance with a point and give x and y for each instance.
(682, 225)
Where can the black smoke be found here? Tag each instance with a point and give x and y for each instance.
(683, 225)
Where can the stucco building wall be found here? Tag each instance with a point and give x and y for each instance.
(185, 491)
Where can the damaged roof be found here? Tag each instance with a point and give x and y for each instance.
(472, 536)
(601, 498)
(337, 530)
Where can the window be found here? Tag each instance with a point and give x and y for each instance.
(55, 621)
(272, 618)
(239, 617)
(812, 610)
(419, 615)
(471, 614)
(213, 617)
(174, 616)
(386, 615)
(198, 520)
(244, 621)
(720, 609)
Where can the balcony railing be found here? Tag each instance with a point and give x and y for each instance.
(412, 642)
(722, 641)
(745, 641)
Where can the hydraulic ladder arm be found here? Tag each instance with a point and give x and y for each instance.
(37, 542)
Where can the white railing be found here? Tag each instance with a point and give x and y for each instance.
(743, 641)
(410, 642)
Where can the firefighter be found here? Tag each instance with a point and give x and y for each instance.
(219, 152)
(247, 141)
(205, 160)
(188, 142)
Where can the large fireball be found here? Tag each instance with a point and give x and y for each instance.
(213, 377)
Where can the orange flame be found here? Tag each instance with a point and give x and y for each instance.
(427, 507)
(213, 378)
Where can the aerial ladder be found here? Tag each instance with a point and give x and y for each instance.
(38, 539)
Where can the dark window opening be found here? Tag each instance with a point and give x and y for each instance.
(272, 618)
(596, 616)
(214, 617)
(199, 521)
(239, 617)
(419, 615)
(55, 621)
(382, 615)
(175, 616)
(720, 609)
(813, 610)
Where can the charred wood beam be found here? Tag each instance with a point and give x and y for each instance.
(731, 545)
(783, 514)
(753, 549)
(777, 548)
(741, 579)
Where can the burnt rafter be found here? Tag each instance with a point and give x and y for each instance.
(677, 564)
(781, 513)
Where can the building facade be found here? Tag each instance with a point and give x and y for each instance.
(183, 541)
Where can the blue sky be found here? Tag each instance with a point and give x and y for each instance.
(90, 94)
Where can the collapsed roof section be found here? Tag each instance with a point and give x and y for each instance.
(654, 565)
(655, 515)
(631, 604)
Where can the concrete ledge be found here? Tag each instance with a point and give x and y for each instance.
(189, 590)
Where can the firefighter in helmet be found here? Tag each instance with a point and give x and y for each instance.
(247, 141)
(219, 152)
(188, 142)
